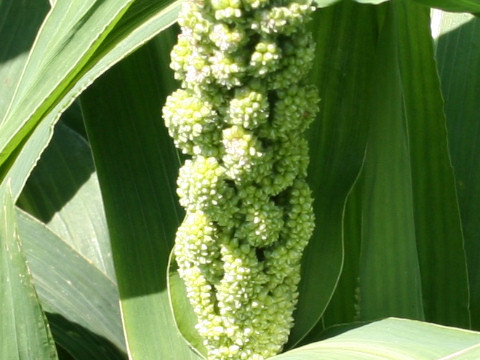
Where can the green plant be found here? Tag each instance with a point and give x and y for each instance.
(240, 114)
(396, 204)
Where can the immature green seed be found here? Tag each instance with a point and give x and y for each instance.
(240, 115)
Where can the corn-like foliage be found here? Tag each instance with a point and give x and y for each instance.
(380, 119)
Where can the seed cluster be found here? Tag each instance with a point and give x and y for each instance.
(240, 114)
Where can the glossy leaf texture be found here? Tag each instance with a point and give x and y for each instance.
(393, 339)
(460, 78)
(24, 331)
(123, 120)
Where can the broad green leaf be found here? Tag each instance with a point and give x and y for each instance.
(437, 222)
(137, 166)
(393, 339)
(346, 40)
(460, 77)
(19, 22)
(343, 308)
(407, 173)
(63, 192)
(472, 6)
(470, 353)
(68, 284)
(78, 41)
(73, 30)
(319, 334)
(389, 272)
(416, 163)
(24, 331)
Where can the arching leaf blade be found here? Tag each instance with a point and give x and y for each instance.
(25, 132)
(393, 339)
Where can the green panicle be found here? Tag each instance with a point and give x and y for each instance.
(240, 115)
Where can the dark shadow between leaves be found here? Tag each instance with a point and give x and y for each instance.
(80, 343)
(65, 165)
(19, 23)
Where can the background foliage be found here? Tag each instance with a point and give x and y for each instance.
(88, 173)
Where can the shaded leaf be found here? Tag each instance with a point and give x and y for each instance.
(63, 192)
(19, 23)
(343, 308)
(460, 78)
(410, 213)
(80, 343)
(407, 173)
(389, 275)
(137, 166)
(437, 221)
(346, 40)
